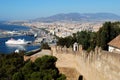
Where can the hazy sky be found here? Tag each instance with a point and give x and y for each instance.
(30, 9)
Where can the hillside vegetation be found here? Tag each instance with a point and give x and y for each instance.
(13, 67)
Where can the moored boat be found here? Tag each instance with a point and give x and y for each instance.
(19, 41)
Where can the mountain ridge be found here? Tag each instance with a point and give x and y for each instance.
(79, 17)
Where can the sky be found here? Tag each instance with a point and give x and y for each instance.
(31, 9)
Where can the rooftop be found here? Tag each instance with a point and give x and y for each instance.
(115, 42)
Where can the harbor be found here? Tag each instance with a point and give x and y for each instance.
(19, 35)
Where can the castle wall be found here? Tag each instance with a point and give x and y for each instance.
(96, 65)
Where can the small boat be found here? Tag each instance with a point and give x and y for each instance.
(19, 41)
(35, 35)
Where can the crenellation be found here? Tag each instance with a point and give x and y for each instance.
(96, 49)
(91, 56)
(95, 65)
(99, 50)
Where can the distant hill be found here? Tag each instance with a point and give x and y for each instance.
(80, 17)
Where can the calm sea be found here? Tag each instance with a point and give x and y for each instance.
(7, 49)
(12, 27)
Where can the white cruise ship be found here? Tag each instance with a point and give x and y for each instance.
(19, 41)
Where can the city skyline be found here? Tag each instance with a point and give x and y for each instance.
(31, 9)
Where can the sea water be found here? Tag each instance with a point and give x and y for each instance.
(7, 49)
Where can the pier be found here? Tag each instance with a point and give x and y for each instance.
(6, 34)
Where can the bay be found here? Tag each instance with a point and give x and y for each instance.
(7, 49)
(11, 27)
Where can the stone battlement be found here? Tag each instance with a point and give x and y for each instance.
(95, 65)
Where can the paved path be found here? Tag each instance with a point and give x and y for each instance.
(39, 54)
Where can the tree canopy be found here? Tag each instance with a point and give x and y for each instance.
(13, 67)
(45, 46)
(89, 40)
(106, 33)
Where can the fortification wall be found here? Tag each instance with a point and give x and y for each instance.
(96, 65)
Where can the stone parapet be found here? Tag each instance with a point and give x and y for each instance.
(95, 65)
